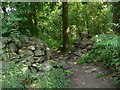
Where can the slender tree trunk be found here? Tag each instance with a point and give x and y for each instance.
(32, 20)
(116, 17)
(65, 27)
(77, 19)
(35, 19)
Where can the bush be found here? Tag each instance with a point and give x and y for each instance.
(86, 58)
(53, 79)
(17, 77)
(106, 51)
(49, 40)
(107, 48)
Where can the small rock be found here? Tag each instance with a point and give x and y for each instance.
(90, 42)
(83, 83)
(28, 63)
(13, 47)
(39, 52)
(32, 48)
(65, 66)
(25, 52)
(36, 58)
(40, 59)
(35, 41)
(84, 51)
(24, 39)
(78, 53)
(84, 34)
(89, 47)
(23, 61)
(17, 60)
(88, 71)
(91, 70)
(14, 56)
(35, 64)
(85, 67)
(46, 66)
(9, 56)
(76, 43)
(28, 58)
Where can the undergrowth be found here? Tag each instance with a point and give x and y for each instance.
(21, 77)
(106, 50)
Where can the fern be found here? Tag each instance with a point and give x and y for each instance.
(106, 40)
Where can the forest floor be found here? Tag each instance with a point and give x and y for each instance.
(87, 75)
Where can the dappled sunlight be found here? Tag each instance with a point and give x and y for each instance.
(60, 45)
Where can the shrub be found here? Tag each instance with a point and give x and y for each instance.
(107, 48)
(107, 51)
(53, 79)
(17, 77)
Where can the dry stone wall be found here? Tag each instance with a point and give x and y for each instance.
(84, 45)
(30, 51)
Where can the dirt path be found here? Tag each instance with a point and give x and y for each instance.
(85, 76)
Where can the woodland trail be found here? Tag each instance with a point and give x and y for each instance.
(85, 75)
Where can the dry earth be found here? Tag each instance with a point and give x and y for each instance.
(85, 75)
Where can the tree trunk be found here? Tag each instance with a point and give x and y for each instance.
(65, 26)
(35, 19)
(32, 20)
(116, 17)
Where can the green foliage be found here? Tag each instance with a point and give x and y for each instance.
(106, 40)
(86, 58)
(53, 79)
(44, 20)
(116, 80)
(106, 50)
(47, 19)
(21, 77)
(101, 75)
(93, 17)
(10, 26)
(12, 77)
(49, 41)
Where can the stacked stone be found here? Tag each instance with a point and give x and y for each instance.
(1, 61)
(30, 51)
(83, 45)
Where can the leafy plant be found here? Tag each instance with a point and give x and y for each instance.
(49, 40)
(10, 26)
(12, 77)
(86, 58)
(116, 80)
(101, 75)
(107, 51)
(21, 77)
(53, 79)
(106, 40)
